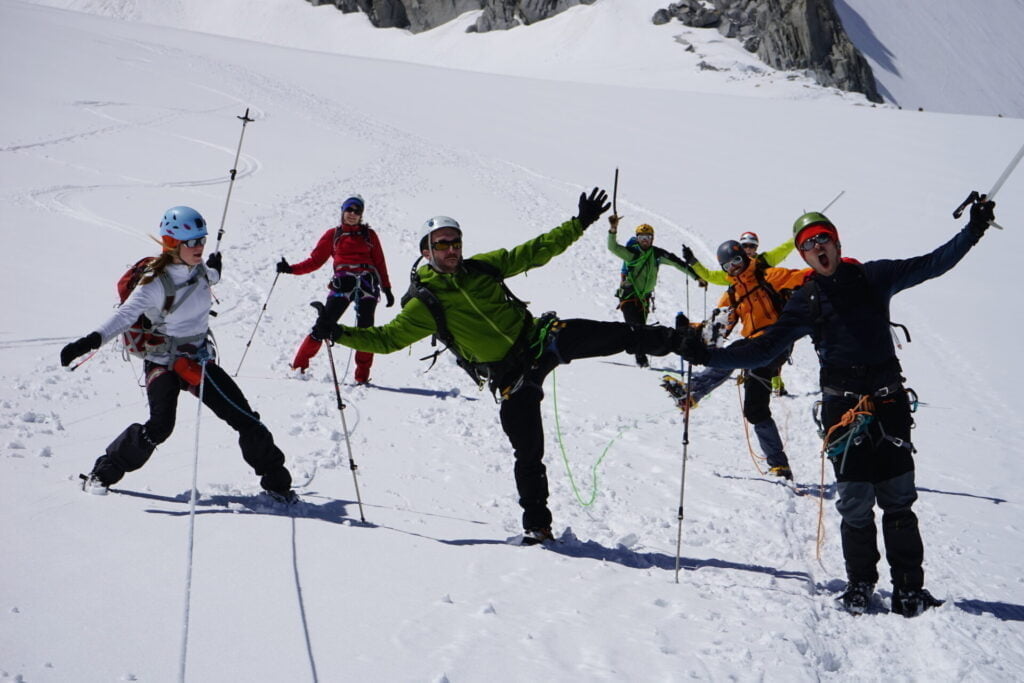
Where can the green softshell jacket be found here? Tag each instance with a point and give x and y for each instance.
(643, 266)
(483, 322)
(771, 258)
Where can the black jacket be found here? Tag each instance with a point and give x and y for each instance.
(847, 317)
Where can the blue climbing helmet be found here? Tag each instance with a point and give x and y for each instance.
(182, 223)
(355, 201)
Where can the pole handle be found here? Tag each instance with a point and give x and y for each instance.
(615, 195)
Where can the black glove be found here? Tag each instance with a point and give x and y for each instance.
(688, 256)
(592, 207)
(214, 261)
(692, 347)
(324, 329)
(283, 267)
(982, 213)
(389, 297)
(78, 347)
(702, 283)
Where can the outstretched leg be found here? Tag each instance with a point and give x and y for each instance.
(226, 400)
(132, 448)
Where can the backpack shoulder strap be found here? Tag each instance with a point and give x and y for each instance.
(171, 289)
(760, 266)
(474, 265)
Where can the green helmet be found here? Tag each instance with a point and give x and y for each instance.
(809, 219)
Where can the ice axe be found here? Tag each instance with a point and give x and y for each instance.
(975, 197)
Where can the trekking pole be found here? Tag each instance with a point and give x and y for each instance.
(682, 479)
(683, 327)
(836, 199)
(191, 526)
(258, 318)
(234, 171)
(344, 427)
(975, 197)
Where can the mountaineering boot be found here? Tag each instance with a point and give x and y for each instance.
(538, 535)
(677, 390)
(911, 603)
(288, 497)
(857, 596)
(781, 471)
(91, 483)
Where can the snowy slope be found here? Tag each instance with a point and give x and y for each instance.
(940, 55)
(943, 55)
(107, 123)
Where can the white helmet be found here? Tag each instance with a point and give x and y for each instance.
(436, 223)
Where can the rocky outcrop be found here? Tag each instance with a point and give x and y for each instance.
(423, 15)
(500, 15)
(786, 34)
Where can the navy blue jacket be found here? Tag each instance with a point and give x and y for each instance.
(849, 321)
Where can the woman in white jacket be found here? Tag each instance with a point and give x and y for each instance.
(175, 294)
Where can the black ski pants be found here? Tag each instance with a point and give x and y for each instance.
(520, 414)
(880, 472)
(757, 396)
(132, 448)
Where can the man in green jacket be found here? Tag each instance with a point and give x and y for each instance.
(495, 338)
(641, 260)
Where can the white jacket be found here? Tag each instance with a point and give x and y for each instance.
(190, 318)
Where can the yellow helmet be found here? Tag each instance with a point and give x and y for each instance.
(644, 229)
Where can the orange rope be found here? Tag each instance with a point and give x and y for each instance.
(754, 457)
(864, 407)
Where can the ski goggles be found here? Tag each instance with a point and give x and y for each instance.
(444, 245)
(810, 242)
(732, 263)
(194, 242)
(358, 210)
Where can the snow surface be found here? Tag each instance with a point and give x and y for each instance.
(106, 122)
(942, 55)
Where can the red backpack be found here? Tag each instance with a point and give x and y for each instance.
(140, 337)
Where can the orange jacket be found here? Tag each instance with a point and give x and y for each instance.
(752, 304)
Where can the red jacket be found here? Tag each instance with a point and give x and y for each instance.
(355, 248)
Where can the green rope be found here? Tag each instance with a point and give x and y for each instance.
(565, 458)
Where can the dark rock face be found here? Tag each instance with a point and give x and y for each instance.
(423, 15)
(788, 35)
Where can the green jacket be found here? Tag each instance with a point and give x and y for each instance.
(642, 267)
(483, 322)
(771, 258)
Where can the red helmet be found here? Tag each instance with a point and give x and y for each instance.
(749, 238)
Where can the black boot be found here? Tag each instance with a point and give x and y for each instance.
(911, 603)
(857, 596)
